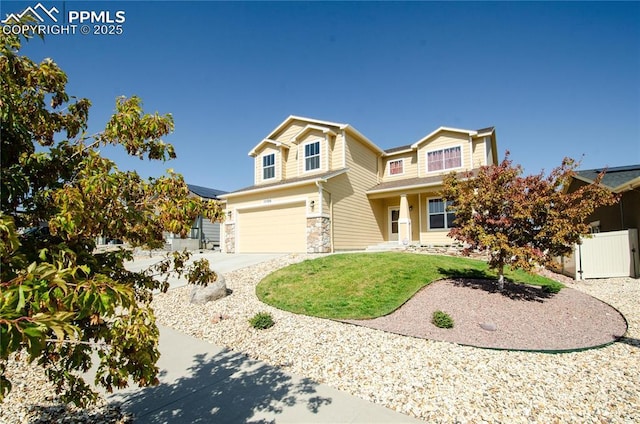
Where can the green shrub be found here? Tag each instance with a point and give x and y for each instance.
(261, 321)
(442, 320)
(552, 288)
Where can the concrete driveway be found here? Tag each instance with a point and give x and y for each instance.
(220, 262)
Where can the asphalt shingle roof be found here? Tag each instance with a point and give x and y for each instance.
(613, 177)
(205, 192)
(398, 149)
(293, 180)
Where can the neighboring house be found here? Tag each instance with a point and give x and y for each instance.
(622, 180)
(204, 234)
(613, 250)
(323, 186)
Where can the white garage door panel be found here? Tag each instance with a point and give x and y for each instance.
(277, 229)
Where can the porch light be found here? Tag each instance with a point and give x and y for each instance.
(312, 204)
(410, 208)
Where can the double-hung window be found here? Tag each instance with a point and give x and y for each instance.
(396, 167)
(440, 216)
(268, 166)
(312, 156)
(440, 160)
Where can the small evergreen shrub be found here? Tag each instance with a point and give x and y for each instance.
(261, 321)
(442, 320)
(552, 288)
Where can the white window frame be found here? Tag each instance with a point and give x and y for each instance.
(401, 160)
(319, 156)
(444, 169)
(273, 166)
(429, 214)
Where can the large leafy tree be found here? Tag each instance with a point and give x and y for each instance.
(60, 300)
(521, 221)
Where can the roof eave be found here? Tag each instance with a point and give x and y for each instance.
(254, 151)
(627, 186)
(323, 179)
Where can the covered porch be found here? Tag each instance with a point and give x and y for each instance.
(413, 217)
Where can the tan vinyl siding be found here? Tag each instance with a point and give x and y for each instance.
(274, 197)
(336, 152)
(291, 165)
(356, 224)
(289, 132)
(479, 153)
(436, 238)
(442, 141)
(410, 167)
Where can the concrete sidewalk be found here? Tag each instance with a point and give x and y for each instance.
(202, 383)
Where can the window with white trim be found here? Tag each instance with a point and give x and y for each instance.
(396, 167)
(312, 156)
(268, 166)
(439, 214)
(440, 160)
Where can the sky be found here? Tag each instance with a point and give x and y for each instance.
(556, 79)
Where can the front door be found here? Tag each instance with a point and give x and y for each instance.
(394, 215)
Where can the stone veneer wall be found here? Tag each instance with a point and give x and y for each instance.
(318, 235)
(230, 238)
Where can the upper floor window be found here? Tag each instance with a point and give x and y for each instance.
(268, 166)
(440, 217)
(396, 167)
(450, 158)
(312, 156)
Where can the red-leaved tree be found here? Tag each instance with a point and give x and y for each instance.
(521, 221)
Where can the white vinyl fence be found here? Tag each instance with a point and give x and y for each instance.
(604, 255)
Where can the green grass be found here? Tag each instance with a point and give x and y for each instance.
(369, 285)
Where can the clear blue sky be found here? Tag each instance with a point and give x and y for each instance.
(555, 79)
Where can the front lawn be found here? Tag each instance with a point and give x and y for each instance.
(369, 285)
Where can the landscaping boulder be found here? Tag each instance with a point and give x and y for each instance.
(213, 291)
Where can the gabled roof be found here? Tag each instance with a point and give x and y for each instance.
(292, 118)
(204, 192)
(291, 182)
(311, 127)
(254, 151)
(470, 133)
(617, 179)
(317, 123)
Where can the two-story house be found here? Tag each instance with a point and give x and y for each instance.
(323, 186)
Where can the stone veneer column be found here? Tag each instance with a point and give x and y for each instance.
(230, 238)
(319, 235)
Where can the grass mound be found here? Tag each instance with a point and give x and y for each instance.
(369, 285)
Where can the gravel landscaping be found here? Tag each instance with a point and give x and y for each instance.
(433, 380)
(521, 317)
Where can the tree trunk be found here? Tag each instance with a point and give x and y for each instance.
(501, 277)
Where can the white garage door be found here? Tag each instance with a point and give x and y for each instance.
(278, 229)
